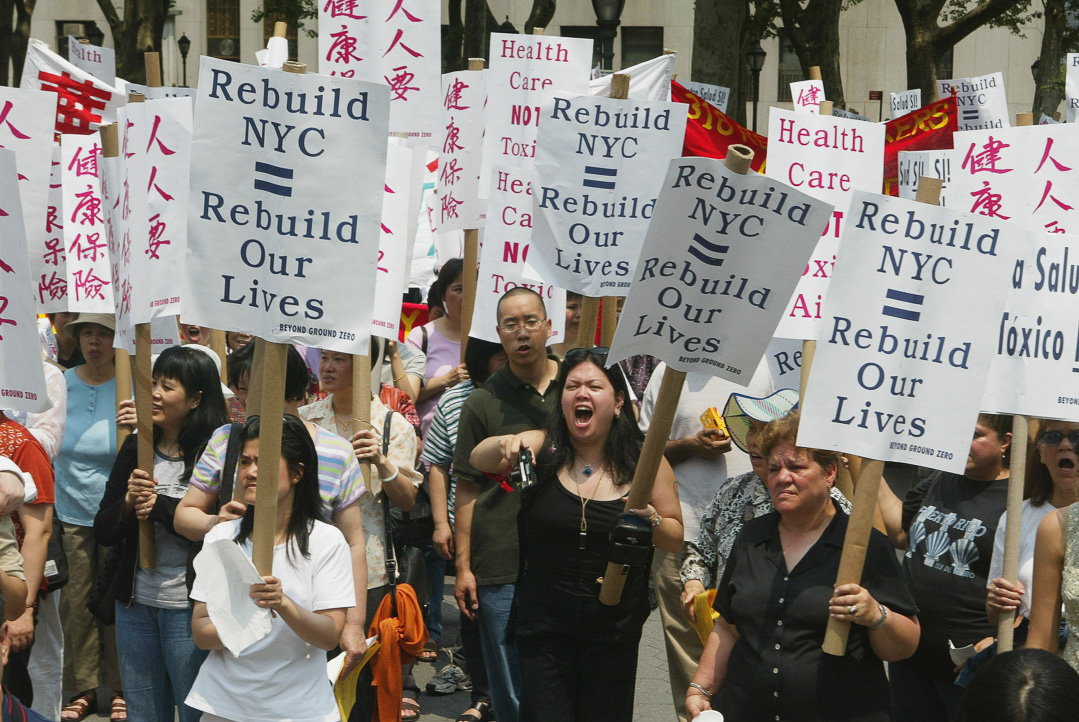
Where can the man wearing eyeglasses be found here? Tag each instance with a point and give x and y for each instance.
(518, 397)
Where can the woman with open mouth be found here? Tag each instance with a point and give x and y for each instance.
(578, 656)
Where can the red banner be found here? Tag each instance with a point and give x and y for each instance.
(710, 132)
(928, 128)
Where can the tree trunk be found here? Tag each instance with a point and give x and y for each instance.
(137, 33)
(476, 28)
(717, 44)
(814, 34)
(1047, 91)
(453, 50)
(7, 14)
(20, 40)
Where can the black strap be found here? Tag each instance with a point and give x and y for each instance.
(228, 471)
(423, 344)
(387, 520)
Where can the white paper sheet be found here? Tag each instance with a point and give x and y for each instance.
(226, 570)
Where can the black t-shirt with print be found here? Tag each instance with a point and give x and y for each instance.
(951, 522)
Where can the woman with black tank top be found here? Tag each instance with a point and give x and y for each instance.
(578, 656)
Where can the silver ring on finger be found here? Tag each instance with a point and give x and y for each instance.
(852, 609)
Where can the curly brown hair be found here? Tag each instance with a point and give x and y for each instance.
(785, 430)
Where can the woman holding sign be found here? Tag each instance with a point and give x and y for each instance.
(579, 656)
(763, 660)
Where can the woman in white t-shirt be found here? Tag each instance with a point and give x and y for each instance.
(282, 676)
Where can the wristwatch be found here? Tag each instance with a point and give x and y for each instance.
(883, 618)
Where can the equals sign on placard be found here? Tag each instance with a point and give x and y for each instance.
(903, 297)
(592, 170)
(277, 172)
(970, 113)
(701, 256)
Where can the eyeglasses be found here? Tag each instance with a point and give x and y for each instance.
(599, 353)
(1054, 437)
(530, 324)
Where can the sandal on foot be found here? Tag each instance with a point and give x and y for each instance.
(430, 651)
(411, 707)
(79, 708)
(118, 709)
(485, 713)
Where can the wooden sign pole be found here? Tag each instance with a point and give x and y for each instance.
(152, 62)
(659, 430)
(864, 504)
(1013, 528)
(361, 407)
(221, 348)
(610, 320)
(1024, 119)
(470, 273)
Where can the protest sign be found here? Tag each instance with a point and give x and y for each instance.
(287, 175)
(718, 264)
(85, 237)
(1071, 86)
(1046, 120)
(155, 93)
(392, 241)
(524, 70)
(827, 158)
(84, 103)
(905, 102)
(925, 163)
(595, 187)
(99, 62)
(784, 357)
(131, 218)
(387, 41)
(908, 333)
(22, 379)
(463, 96)
(981, 100)
(52, 283)
(841, 113)
(710, 132)
(165, 332)
(1037, 341)
(717, 95)
(650, 80)
(928, 128)
(807, 95)
(504, 256)
(1025, 174)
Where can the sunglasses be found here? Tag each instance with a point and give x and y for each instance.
(599, 353)
(1053, 437)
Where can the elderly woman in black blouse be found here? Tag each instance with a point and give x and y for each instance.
(763, 660)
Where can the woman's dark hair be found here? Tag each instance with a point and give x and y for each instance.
(1026, 685)
(238, 364)
(297, 375)
(298, 451)
(1038, 485)
(197, 373)
(449, 273)
(1001, 424)
(478, 358)
(434, 299)
(785, 430)
(623, 446)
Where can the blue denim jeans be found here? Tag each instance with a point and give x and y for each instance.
(158, 662)
(500, 656)
(436, 572)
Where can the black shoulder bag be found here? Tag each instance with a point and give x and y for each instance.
(224, 495)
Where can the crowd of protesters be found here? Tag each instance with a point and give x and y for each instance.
(506, 467)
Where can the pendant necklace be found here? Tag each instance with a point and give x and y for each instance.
(583, 537)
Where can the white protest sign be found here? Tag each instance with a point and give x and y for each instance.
(390, 42)
(905, 102)
(913, 164)
(827, 158)
(158, 93)
(718, 264)
(1046, 120)
(595, 187)
(392, 241)
(504, 256)
(99, 62)
(85, 102)
(807, 95)
(650, 80)
(22, 379)
(1024, 174)
(841, 113)
(165, 332)
(981, 100)
(168, 154)
(287, 176)
(909, 333)
(717, 95)
(274, 54)
(52, 283)
(1037, 338)
(524, 70)
(1071, 86)
(784, 357)
(85, 235)
(463, 96)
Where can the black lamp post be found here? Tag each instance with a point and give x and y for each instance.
(608, 13)
(184, 44)
(756, 56)
(94, 34)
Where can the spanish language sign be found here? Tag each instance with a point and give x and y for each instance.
(982, 101)
(913, 164)
(719, 262)
(717, 95)
(908, 333)
(287, 175)
(596, 185)
(903, 103)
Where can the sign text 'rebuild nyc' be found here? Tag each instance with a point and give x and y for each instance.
(287, 176)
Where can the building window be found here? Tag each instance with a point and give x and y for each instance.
(945, 69)
(640, 44)
(79, 29)
(790, 70)
(223, 29)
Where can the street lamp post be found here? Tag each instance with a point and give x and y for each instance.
(756, 56)
(184, 44)
(608, 13)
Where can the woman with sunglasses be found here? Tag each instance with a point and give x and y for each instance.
(578, 656)
(1056, 553)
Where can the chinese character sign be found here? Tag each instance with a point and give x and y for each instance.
(908, 333)
(524, 70)
(807, 95)
(826, 157)
(463, 96)
(718, 264)
(596, 187)
(84, 228)
(393, 240)
(285, 205)
(130, 209)
(84, 103)
(395, 42)
(981, 100)
(51, 287)
(22, 378)
(1029, 175)
(97, 61)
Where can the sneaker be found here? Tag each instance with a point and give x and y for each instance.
(449, 679)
